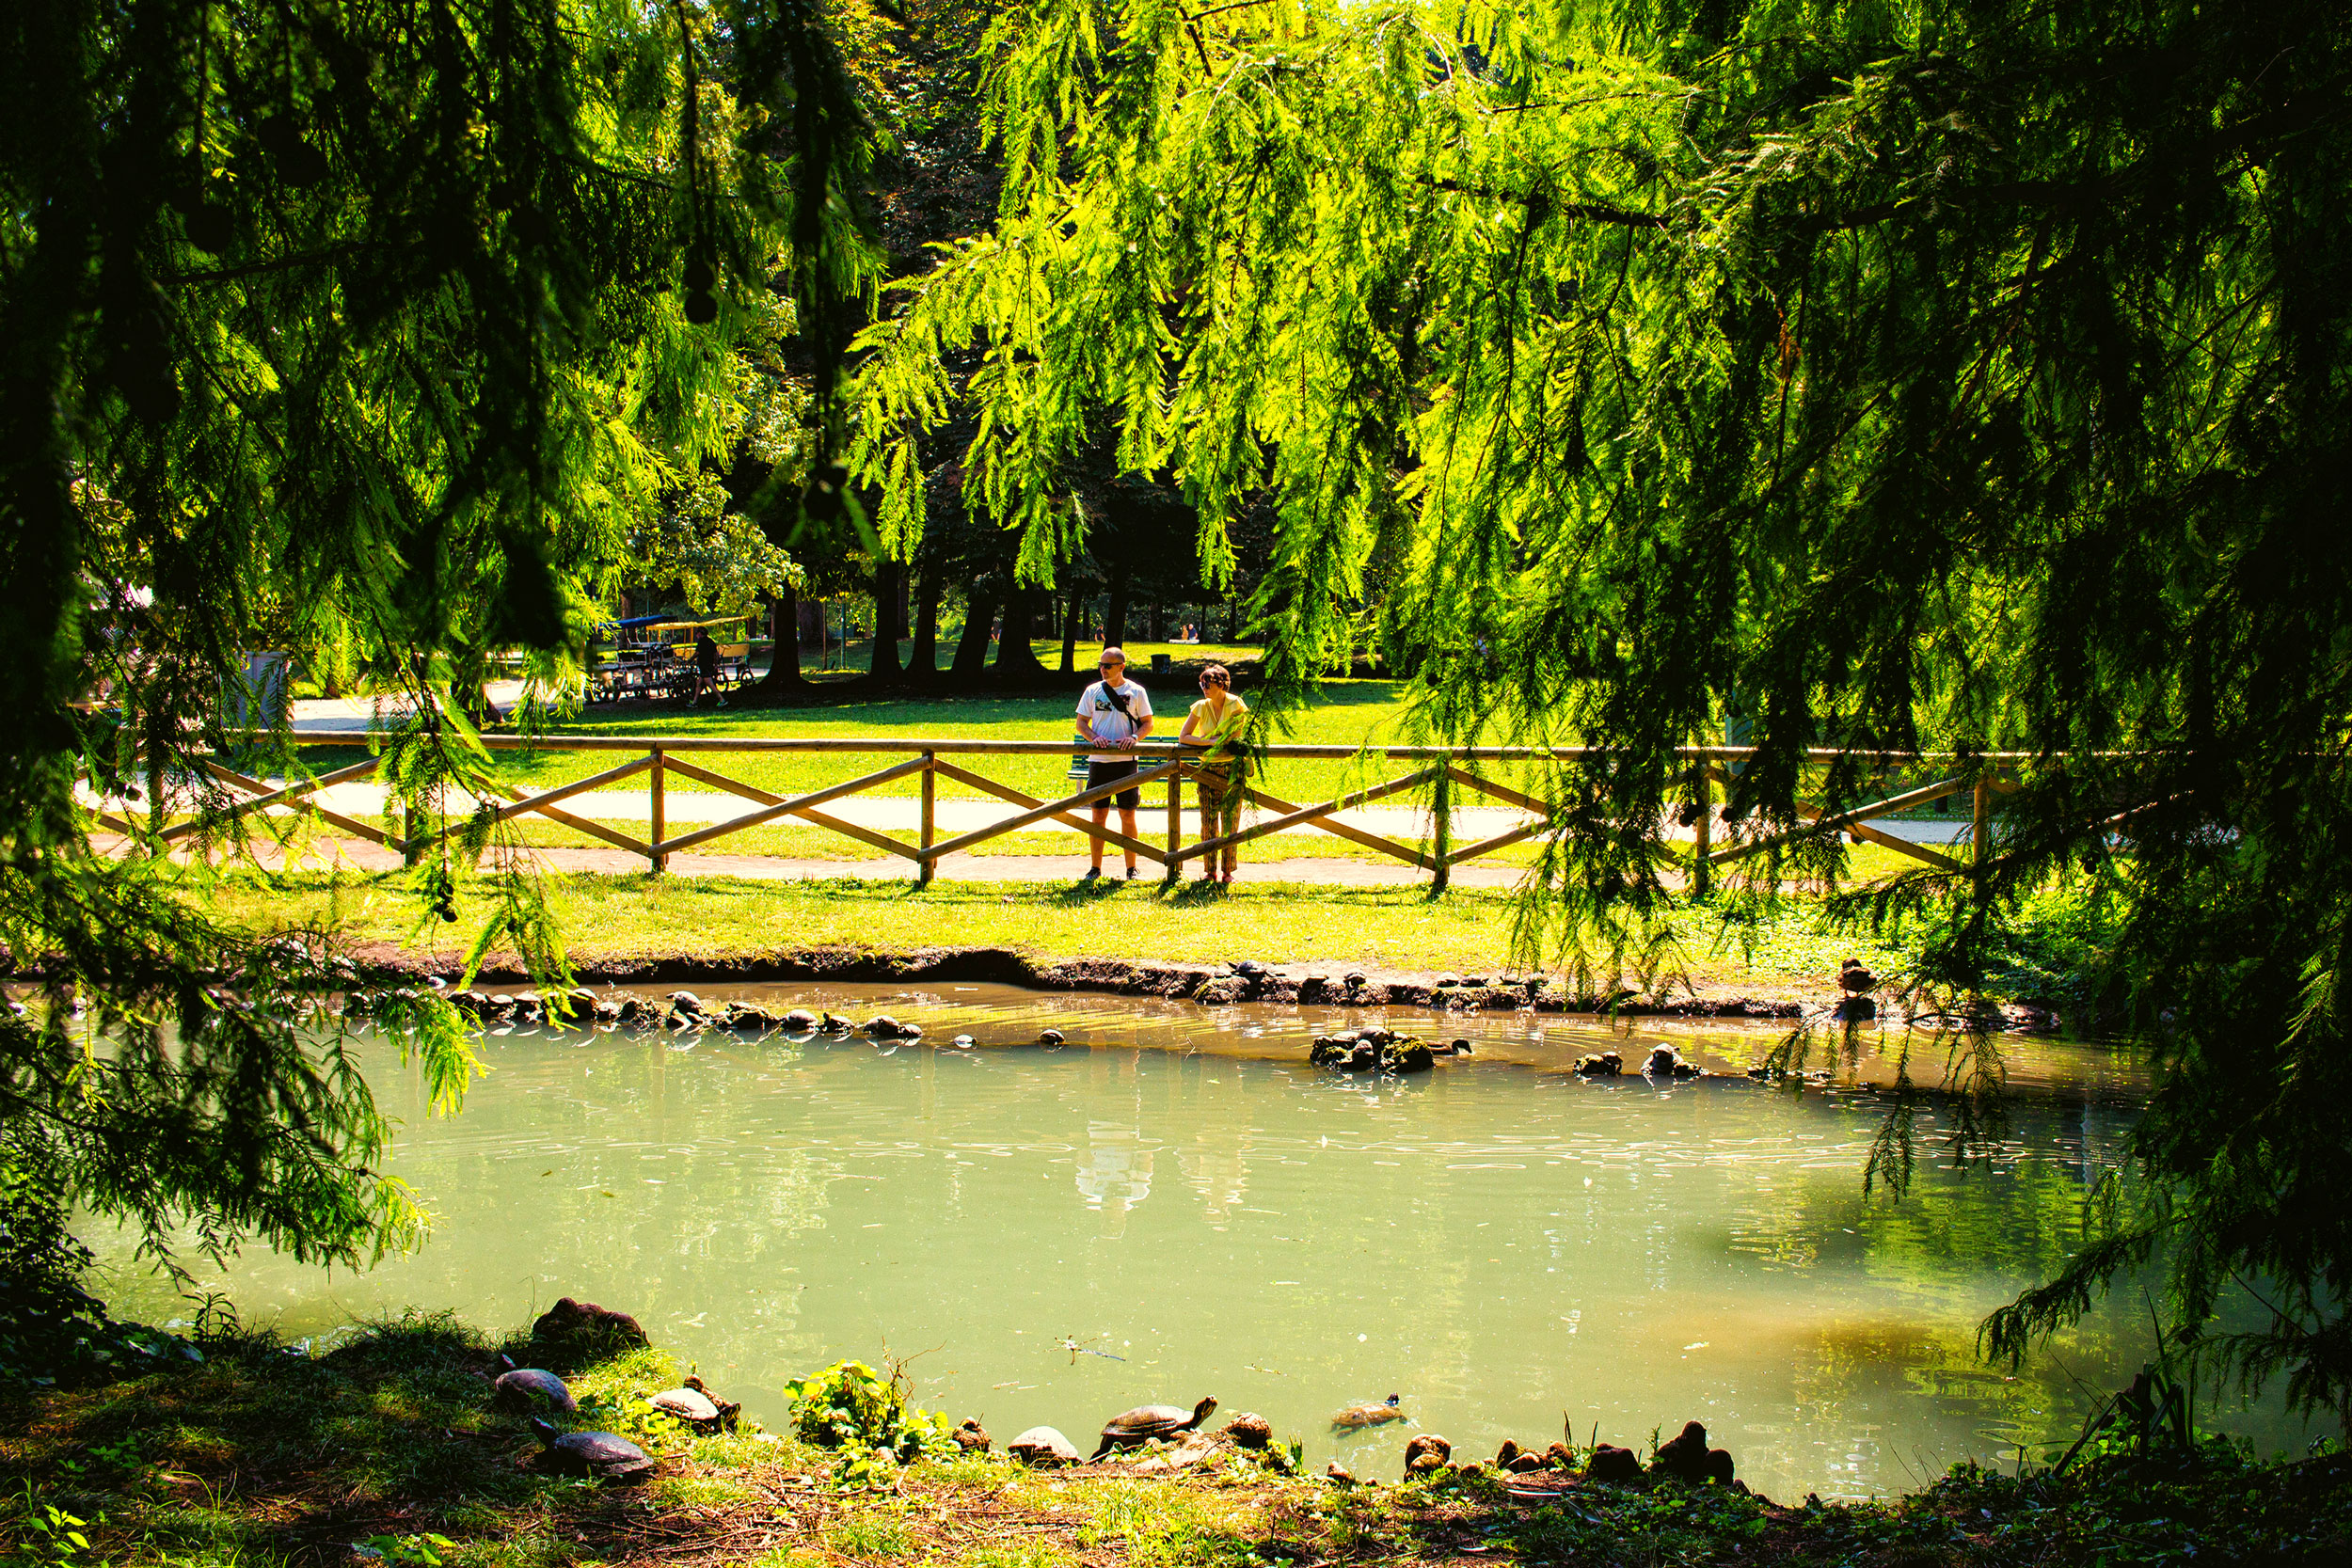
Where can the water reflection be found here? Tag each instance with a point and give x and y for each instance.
(1176, 1205)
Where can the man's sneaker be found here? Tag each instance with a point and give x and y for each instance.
(1133, 873)
(1094, 874)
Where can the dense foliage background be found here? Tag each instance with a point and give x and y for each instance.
(1865, 380)
(1960, 377)
(386, 330)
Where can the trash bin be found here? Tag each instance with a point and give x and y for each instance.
(1159, 665)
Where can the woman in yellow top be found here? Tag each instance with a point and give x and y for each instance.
(1218, 724)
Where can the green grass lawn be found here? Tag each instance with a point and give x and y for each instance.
(857, 657)
(1348, 713)
(1282, 923)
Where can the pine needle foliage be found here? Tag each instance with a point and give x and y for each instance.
(1879, 379)
(369, 326)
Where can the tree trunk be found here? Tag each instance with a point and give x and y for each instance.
(1014, 657)
(1115, 618)
(1072, 615)
(972, 647)
(923, 658)
(889, 606)
(784, 625)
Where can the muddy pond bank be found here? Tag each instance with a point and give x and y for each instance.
(1497, 990)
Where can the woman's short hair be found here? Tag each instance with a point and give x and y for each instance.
(1216, 674)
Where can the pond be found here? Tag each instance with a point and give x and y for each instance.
(1175, 1204)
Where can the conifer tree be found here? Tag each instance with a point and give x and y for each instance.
(382, 324)
(1952, 376)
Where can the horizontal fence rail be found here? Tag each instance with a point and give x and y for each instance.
(1158, 763)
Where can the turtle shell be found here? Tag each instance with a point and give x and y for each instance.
(1147, 1421)
(595, 1453)
(688, 1405)
(1043, 1445)
(530, 1388)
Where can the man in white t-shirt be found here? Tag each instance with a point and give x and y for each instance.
(1114, 713)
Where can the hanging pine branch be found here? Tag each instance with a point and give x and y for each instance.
(1958, 377)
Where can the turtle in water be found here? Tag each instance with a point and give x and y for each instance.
(963, 1042)
(831, 1025)
(530, 1388)
(1665, 1062)
(1049, 1037)
(800, 1021)
(1043, 1445)
(1370, 1413)
(693, 1403)
(593, 1454)
(1147, 1421)
(882, 1026)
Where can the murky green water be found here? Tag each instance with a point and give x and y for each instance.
(1175, 1205)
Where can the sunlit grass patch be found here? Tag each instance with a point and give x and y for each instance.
(1163, 1525)
(702, 1491)
(531, 1549)
(1014, 1554)
(790, 1556)
(750, 1447)
(876, 1533)
(968, 1469)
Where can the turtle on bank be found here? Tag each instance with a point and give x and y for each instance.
(1147, 1421)
(530, 1388)
(1043, 1445)
(593, 1454)
(695, 1404)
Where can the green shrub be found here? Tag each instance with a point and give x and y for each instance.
(851, 1408)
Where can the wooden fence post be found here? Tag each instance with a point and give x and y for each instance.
(1175, 826)
(1441, 825)
(925, 868)
(661, 825)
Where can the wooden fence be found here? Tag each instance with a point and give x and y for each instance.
(1443, 770)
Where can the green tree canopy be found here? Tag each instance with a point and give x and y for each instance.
(377, 324)
(1952, 376)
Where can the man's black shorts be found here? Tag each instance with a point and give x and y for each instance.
(1100, 774)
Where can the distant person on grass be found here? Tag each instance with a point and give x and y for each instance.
(706, 669)
(1115, 714)
(1220, 721)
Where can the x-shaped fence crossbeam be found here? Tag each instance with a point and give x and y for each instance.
(296, 795)
(1444, 770)
(1855, 822)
